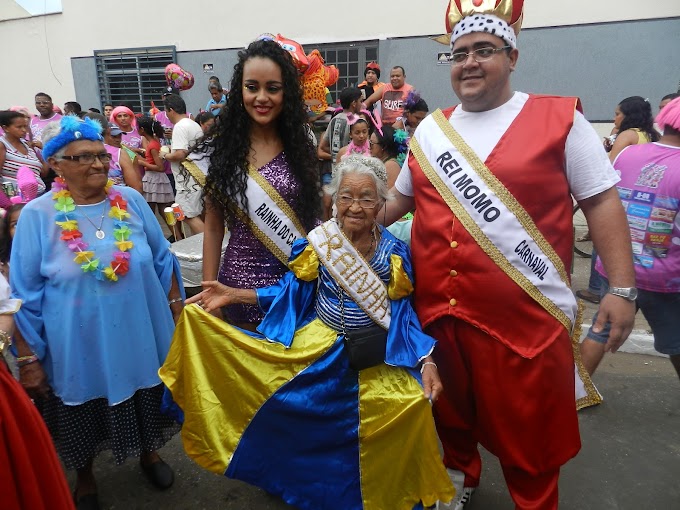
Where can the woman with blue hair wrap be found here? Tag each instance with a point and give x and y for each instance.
(100, 291)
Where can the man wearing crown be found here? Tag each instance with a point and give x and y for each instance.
(492, 181)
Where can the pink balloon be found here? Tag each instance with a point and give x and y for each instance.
(178, 78)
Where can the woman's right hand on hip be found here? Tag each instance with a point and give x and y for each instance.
(34, 380)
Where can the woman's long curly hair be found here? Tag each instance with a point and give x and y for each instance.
(229, 140)
(637, 113)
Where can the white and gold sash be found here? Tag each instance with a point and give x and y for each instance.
(269, 217)
(351, 271)
(494, 218)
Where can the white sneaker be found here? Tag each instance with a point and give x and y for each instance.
(463, 494)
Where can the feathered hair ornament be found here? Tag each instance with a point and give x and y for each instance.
(72, 129)
(402, 139)
(412, 99)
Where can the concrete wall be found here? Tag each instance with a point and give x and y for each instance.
(602, 64)
(37, 51)
(85, 82)
(223, 64)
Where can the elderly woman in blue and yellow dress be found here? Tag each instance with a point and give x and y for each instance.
(99, 289)
(282, 408)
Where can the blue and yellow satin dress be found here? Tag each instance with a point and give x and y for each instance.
(281, 409)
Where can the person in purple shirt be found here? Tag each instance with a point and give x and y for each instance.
(263, 126)
(650, 193)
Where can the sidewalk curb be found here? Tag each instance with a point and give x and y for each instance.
(639, 342)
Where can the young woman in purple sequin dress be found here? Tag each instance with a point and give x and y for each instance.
(263, 125)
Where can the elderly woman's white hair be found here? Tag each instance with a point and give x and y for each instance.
(50, 131)
(356, 164)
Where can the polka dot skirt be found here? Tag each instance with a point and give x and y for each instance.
(127, 429)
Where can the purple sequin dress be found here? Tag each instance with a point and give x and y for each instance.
(247, 263)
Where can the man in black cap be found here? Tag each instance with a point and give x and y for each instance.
(371, 82)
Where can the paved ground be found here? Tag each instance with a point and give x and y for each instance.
(630, 458)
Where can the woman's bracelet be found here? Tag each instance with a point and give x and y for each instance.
(22, 361)
(176, 300)
(5, 340)
(422, 368)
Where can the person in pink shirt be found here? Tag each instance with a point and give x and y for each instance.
(46, 114)
(124, 118)
(650, 193)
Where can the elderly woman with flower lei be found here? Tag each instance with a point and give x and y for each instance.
(100, 291)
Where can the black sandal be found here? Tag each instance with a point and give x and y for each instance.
(159, 474)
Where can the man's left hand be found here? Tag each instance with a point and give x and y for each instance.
(621, 314)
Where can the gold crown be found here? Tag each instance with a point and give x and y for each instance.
(510, 11)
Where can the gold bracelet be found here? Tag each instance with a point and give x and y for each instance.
(5, 340)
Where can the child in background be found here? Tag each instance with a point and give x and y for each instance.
(155, 183)
(359, 133)
(206, 120)
(8, 226)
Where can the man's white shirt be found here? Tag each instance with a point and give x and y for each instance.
(588, 169)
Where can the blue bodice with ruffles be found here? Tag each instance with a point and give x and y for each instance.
(294, 302)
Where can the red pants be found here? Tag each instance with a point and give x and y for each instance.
(31, 476)
(521, 410)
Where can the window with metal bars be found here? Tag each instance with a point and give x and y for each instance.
(350, 59)
(134, 76)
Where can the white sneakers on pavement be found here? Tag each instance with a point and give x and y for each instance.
(463, 494)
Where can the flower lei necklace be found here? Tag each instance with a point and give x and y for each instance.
(364, 149)
(70, 234)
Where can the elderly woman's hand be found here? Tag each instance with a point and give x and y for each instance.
(432, 385)
(34, 380)
(215, 296)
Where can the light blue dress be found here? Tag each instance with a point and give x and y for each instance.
(95, 339)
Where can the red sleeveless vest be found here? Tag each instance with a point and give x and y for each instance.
(453, 275)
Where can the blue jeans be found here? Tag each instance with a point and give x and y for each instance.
(662, 311)
(595, 280)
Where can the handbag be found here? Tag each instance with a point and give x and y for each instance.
(365, 347)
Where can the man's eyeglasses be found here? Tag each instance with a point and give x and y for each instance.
(479, 55)
(364, 203)
(88, 159)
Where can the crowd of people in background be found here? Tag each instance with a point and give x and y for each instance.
(148, 149)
